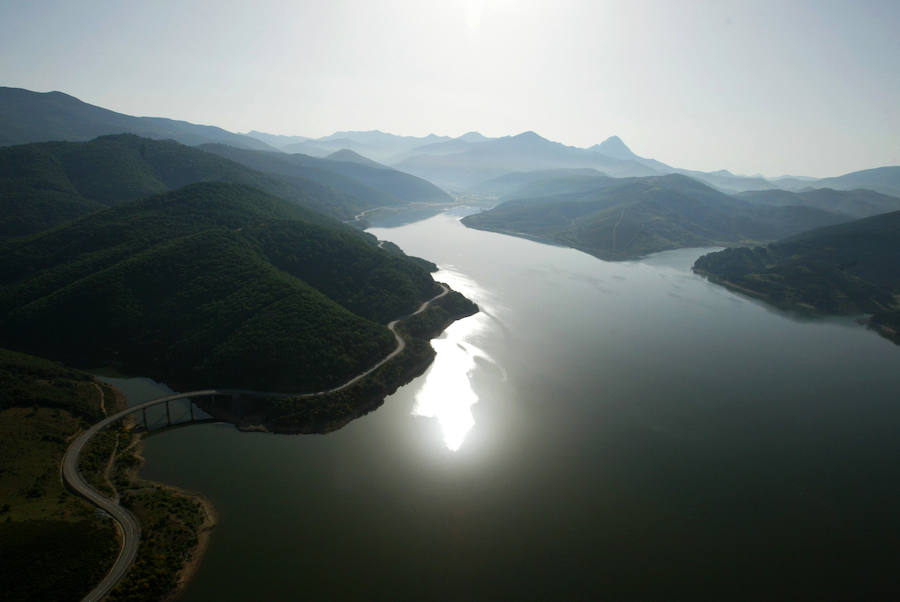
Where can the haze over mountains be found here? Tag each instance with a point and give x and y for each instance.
(470, 162)
(463, 164)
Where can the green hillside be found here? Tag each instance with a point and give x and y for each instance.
(631, 217)
(43, 185)
(211, 284)
(850, 268)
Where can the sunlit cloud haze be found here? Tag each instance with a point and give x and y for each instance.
(809, 88)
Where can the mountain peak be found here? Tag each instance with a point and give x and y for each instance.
(615, 148)
(473, 136)
(528, 137)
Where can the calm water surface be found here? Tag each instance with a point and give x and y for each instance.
(618, 430)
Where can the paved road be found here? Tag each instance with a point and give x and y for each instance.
(128, 524)
(401, 345)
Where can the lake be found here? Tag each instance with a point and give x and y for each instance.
(600, 430)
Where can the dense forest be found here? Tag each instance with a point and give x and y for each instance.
(213, 284)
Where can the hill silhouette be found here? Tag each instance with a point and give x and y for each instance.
(885, 180)
(855, 203)
(27, 116)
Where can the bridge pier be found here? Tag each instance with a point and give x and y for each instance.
(168, 415)
(146, 424)
(191, 408)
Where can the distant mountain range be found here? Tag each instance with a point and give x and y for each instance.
(466, 164)
(470, 163)
(373, 144)
(848, 269)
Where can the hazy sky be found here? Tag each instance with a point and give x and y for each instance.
(802, 87)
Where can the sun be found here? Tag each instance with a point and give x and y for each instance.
(473, 10)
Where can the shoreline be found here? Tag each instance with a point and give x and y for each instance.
(204, 532)
(800, 310)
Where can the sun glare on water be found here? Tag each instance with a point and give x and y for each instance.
(447, 393)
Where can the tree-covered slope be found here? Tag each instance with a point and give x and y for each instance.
(211, 284)
(42, 185)
(850, 268)
(27, 116)
(630, 217)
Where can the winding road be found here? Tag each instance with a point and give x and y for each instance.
(128, 525)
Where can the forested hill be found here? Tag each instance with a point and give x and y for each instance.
(850, 268)
(46, 184)
(630, 217)
(213, 284)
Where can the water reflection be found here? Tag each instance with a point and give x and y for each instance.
(447, 392)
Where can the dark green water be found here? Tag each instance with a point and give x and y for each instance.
(600, 431)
